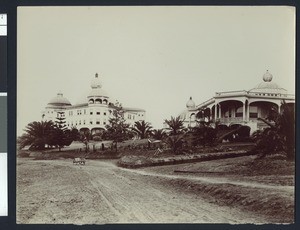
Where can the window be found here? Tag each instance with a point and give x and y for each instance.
(104, 123)
(98, 101)
(253, 115)
(91, 122)
(84, 111)
(98, 113)
(104, 113)
(84, 122)
(91, 113)
(98, 122)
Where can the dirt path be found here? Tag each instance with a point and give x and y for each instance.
(216, 180)
(99, 192)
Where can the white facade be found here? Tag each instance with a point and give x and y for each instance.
(93, 113)
(243, 107)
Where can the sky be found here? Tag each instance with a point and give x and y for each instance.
(149, 57)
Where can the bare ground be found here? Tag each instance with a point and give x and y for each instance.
(56, 191)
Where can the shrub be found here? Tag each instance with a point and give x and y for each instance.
(23, 154)
(97, 138)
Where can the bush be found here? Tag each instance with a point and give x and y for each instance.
(223, 127)
(109, 152)
(23, 154)
(97, 138)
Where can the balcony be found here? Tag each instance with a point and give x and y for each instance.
(231, 120)
(254, 94)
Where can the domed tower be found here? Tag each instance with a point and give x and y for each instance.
(97, 95)
(268, 87)
(189, 114)
(190, 104)
(56, 105)
(59, 101)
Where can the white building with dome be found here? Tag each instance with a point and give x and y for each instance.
(242, 106)
(92, 112)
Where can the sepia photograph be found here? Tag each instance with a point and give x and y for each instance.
(155, 114)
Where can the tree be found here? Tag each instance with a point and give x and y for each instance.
(61, 120)
(175, 125)
(203, 132)
(204, 135)
(37, 135)
(268, 141)
(158, 134)
(61, 135)
(280, 135)
(74, 134)
(175, 142)
(286, 126)
(142, 129)
(203, 115)
(117, 129)
(85, 136)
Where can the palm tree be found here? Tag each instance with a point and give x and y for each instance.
(37, 134)
(268, 141)
(279, 135)
(286, 123)
(175, 142)
(158, 134)
(142, 128)
(175, 125)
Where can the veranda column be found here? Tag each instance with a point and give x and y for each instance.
(248, 112)
(279, 107)
(216, 108)
(244, 111)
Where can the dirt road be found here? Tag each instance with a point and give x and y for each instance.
(57, 191)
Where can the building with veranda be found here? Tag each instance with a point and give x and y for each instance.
(242, 107)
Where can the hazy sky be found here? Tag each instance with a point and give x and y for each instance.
(153, 58)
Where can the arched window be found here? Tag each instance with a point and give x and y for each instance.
(105, 101)
(91, 101)
(193, 117)
(98, 101)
